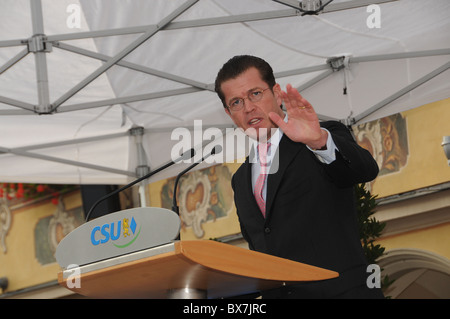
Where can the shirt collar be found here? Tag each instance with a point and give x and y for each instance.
(274, 141)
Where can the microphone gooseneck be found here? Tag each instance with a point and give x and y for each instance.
(217, 149)
(184, 156)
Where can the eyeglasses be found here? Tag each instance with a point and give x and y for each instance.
(254, 96)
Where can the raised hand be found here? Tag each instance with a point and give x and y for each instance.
(303, 124)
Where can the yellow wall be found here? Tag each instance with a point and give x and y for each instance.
(220, 187)
(426, 164)
(19, 264)
(435, 239)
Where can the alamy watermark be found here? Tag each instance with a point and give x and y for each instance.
(234, 144)
(74, 278)
(73, 21)
(373, 21)
(374, 279)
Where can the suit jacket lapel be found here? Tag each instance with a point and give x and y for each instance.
(247, 187)
(286, 152)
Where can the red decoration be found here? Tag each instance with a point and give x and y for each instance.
(32, 191)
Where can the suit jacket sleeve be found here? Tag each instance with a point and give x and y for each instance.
(353, 163)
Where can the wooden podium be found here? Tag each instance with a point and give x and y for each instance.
(189, 269)
(133, 254)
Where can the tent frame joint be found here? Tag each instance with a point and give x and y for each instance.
(336, 63)
(306, 7)
(137, 130)
(142, 167)
(349, 121)
(39, 43)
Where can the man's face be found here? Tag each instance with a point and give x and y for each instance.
(254, 115)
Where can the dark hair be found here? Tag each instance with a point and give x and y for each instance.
(238, 65)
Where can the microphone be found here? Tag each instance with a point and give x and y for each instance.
(184, 156)
(217, 149)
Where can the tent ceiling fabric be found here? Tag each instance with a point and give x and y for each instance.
(104, 66)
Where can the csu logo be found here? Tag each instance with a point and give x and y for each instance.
(122, 229)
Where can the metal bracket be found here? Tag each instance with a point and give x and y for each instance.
(336, 63)
(306, 7)
(349, 121)
(310, 6)
(38, 43)
(136, 131)
(142, 168)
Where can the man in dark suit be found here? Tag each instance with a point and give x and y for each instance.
(297, 202)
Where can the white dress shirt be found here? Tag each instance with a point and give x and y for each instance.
(326, 156)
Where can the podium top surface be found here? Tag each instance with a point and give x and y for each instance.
(221, 270)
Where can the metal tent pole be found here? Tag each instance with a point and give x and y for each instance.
(37, 46)
(17, 103)
(403, 91)
(240, 18)
(130, 48)
(142, 168)
(19, 152)
(130, 65)
(19, 56)
(400, 55)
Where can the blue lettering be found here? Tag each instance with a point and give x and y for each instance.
(93, 240)
(105, 233)
(109, 231)
(117, 235)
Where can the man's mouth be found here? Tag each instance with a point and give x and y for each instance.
(254, 121)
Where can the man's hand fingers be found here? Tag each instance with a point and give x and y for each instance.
(293, 99)
(277, 120)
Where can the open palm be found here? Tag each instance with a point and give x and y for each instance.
(303, 124)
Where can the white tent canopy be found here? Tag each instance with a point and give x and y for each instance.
(77, 76)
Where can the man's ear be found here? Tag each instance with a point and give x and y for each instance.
(227, 111)
(277, 93)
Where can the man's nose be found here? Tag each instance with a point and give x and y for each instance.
(248, 105)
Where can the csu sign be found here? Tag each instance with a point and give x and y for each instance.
(118, 234)
(114, 231)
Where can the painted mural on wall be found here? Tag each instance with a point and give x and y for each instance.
(387, 140)
(204, 196)
(50, 230)
(32, 227)
(5, 224)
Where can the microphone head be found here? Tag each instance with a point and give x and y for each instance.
(187, 155)
(216, 150)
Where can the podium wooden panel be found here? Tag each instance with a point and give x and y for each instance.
(216, 269)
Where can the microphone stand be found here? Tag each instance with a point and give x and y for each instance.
(175, 208)
(191, 154)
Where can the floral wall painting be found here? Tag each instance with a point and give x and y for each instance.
(50, 230)
(205, 200)
(20, 196)
(386, 139)
(5, 224)
(36, 218)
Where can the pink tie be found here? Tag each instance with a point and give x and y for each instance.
(262, 150)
